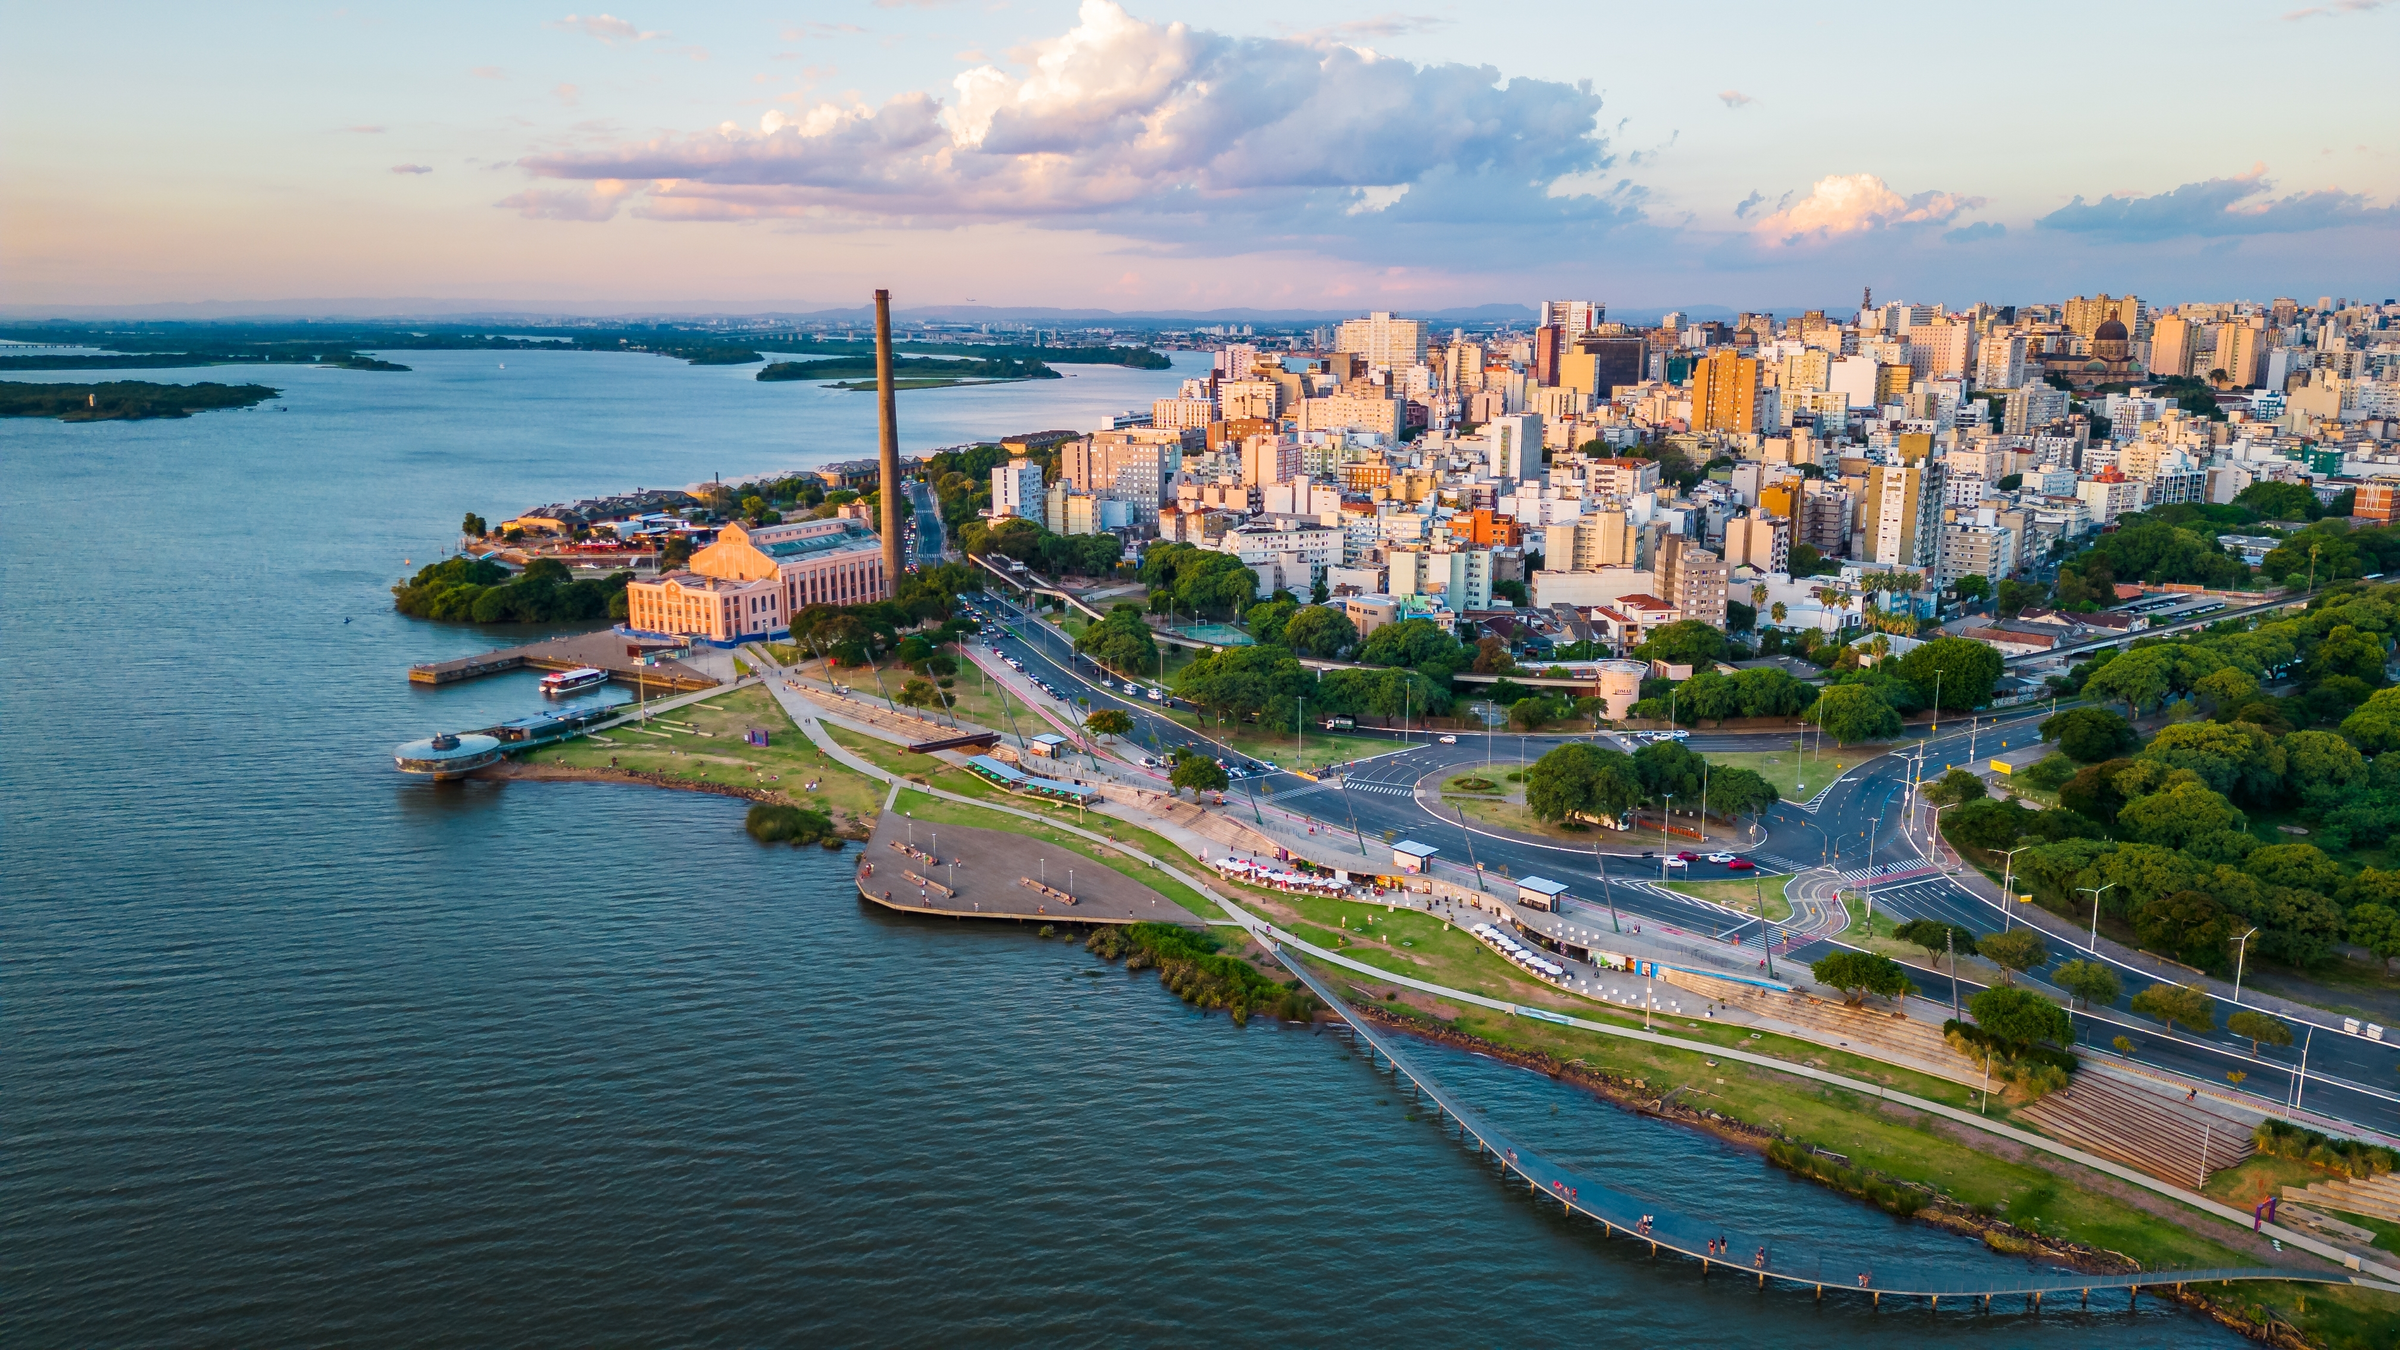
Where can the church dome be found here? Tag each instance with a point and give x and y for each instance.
(2110, 331)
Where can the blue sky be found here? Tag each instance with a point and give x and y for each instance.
(1234, 154)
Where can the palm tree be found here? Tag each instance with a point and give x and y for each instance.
(1758, 596)
(1777, 613)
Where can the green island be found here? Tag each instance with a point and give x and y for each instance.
(343, 360)
(923, 372)
(1136, 358)
(126, 400)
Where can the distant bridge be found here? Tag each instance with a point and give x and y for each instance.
(1618, 1212)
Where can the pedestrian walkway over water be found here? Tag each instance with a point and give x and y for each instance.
(1648, 1221)
(609, 650)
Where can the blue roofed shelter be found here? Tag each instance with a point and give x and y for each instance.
(1017, 780)
(1540, 893)
(1410, 856)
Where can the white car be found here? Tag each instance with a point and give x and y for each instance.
(1720, 857)
(1677, 862)
(1449, 740)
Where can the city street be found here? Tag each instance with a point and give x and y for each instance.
(1859, 828)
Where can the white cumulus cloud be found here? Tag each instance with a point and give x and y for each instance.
(1121, 119)
(1853, 203)
(606, 27)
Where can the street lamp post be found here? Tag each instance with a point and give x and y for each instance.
(2240, 952)
(2095, 892)
(2008, 893)
(1605, 888)
(1703, 822)
(1934, 834)
(1663, 818)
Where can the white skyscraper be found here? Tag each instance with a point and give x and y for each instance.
(1017, 490)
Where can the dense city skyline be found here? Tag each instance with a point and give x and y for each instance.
(1144, 158)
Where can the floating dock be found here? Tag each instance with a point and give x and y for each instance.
(629, 661)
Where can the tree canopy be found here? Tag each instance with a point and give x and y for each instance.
(2090, 734)
(1858, 974)
(2019, 1019)
(1578, 779)
(1854, 712)
(1967, 671)
(1121, 641)
(1684, 642)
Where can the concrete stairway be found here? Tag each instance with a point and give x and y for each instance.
(2166, 1138)
(1834, 1023)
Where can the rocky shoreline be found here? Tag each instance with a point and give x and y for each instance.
(855, 827)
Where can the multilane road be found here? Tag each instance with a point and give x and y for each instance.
(1866, 826)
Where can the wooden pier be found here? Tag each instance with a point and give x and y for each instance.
(611, 651)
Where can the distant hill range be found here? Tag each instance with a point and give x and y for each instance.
(535, 311)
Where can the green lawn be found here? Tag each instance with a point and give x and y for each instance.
(1799, 775)
(702, 742)
(1745, 894)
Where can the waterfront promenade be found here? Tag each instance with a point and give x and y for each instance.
(1285, 944)
(1722, 1246)
(952, 871)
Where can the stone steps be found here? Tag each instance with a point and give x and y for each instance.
(2157, 1135)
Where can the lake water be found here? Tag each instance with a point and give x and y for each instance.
(300, 1050)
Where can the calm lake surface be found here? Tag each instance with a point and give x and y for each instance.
(301, 1051)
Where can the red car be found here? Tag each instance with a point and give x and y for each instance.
(1688, 856)
(1740, 865)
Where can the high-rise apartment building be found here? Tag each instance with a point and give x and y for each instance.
(2083, 317)
(1941, 350)
(1017, 489)
(1269, 459)
(1260, 399)
(2171, 346)
(1903, 507)
(1805, 371)
(1825, 521)
(2036, 403)
(1763, 543)
(1979, 547)
(1547, 343)
(1608, 538)
(2000, 361)
(1383, 340)
(1514, 445)
(1725, 393)
(1573, 317)
(1133, 466)
(1692, 579)
(1358, 406)
(1181, 414)
(1600, 365)
(2240, 353)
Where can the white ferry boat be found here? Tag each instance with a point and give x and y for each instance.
(568, 681)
